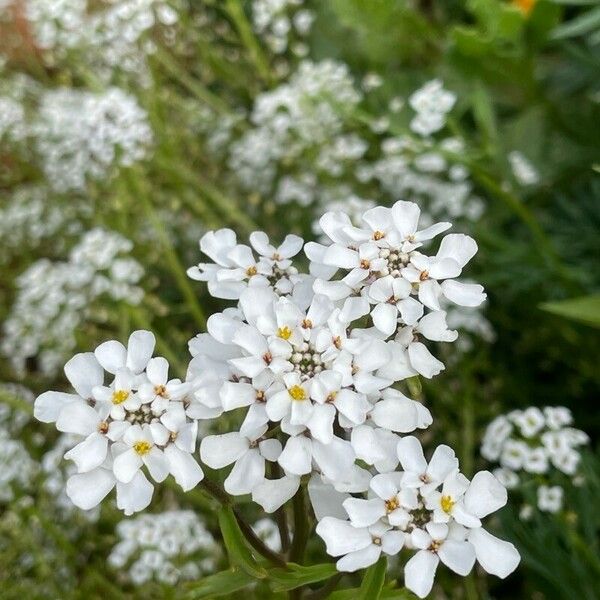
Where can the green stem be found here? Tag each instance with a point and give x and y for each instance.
(236, 12)
(301, 527)
(191, 84)
(327, 589)
(220, 495)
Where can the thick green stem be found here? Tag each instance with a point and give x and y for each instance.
(301, 527)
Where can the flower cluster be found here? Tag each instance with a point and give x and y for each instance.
(139, 419)
(80, 135)
(534, 445)
(282, 24)
(28, 218)
(53, 298)
(429, 508)
(163, 547)
(310, 365)
(431, 103)
(384, 274)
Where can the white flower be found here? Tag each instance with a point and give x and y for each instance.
(550, 499)
(530, 422)
(436, 543)
(248, 451)
(362, 546)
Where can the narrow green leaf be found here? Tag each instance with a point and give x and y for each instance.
(483, 110)
(586, 23)
(372, 584)
(237, 549)
(297, 575)
(219, 584)
(585, 309)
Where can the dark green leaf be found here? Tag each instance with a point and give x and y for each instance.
(585, 309)
(298, 575)
(588, 22)
(237, 549)
(219, 584)
(372, 584)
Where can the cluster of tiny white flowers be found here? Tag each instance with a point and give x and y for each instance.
(54, 298)
(140, 418)
(13, 418)
(17, 468)
(311, 361)
(110, 37)
(431, 103)
(282, 25)
(80, 135)
(29, 218)
(305, 112)
(523, 170)
(535, 446)
(163, 547)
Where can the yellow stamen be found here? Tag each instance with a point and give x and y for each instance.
(251, 271)
(161, 390)
(297, 392)
(365, 264)
(119, 396)
(331, 397)
(424, 275)
(307, 324)
(378, 235)
(447, 504)
(391, 505)
(285, 333)
(142, 447)
(103, 427)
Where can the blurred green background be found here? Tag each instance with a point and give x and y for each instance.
(154, 121)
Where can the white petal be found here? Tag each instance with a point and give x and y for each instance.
(218, 451)
(423, 361)
(410, 453)
(411, 310)
(359, 559)
(325, 499)
(431, 232)
(157, 370)
(392, 542)
(84, 373)
(246, 474)
(270, 449)
(235, 395)
(112, 355)
(78, 417)
(386, 485)
(364, 513)
(429, 294)
(419, 572)
(459, 247)
(139, 350)
(395, 414)
(296, 457)
(433, 326)
(463, 294)
(272, 494)
(485, 495)
(406, 217)
(458, 556)
(87, 490)
(341, 537)
(135, 495)
(320, 422)
(90, 453)
(186, 471)
(385, 317)
(334, 459)
(157, 464)
(48, 405)
(292, 244)
(496, 556)
(126, 465)
(442, 463)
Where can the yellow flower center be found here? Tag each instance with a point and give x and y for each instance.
(297, 392)
(447, 504)
(251, 271)
(285, 333)
(391, 505)
(119, 396)
(142, 447)
(424, 275)
(524, 5)
(331, 397)
(378, 235)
